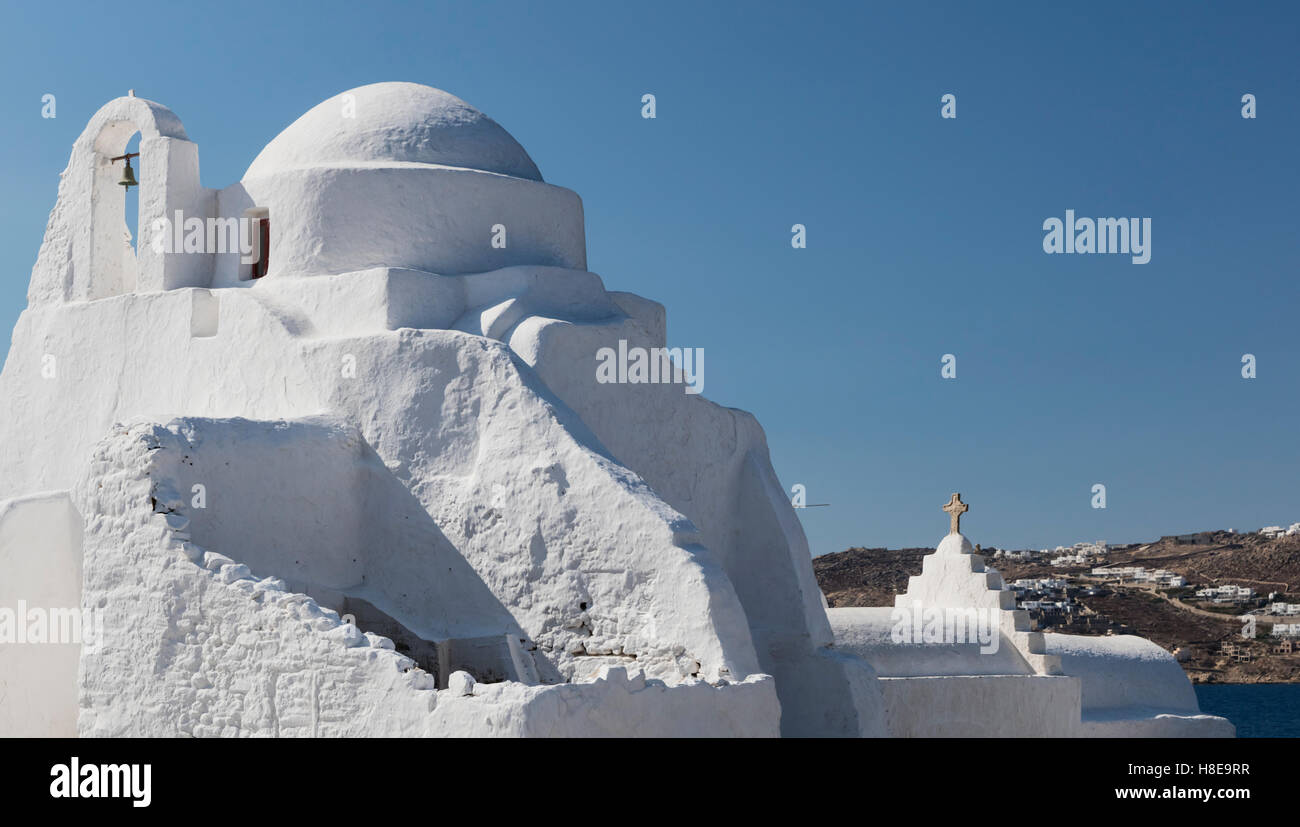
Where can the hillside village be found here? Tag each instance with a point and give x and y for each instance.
(1227, 604)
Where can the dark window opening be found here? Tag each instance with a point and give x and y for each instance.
(262, 234)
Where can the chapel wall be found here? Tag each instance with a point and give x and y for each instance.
(230, 654)
(983, 706)
(40, 557)
(711, 463)
(339, 219)
(1123, 672)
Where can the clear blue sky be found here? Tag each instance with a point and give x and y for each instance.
(924, 234)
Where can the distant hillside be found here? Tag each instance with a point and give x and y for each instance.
(1220, 557)
(872, 576)
(866, 576)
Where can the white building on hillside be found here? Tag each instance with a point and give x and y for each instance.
(1226, 594)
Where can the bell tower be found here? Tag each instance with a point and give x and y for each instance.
(86, 254)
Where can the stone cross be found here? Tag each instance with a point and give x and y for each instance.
(955, 509)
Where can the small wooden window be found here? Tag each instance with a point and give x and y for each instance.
(262, 232)
(255, 233)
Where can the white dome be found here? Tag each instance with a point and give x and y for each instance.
(395, 122)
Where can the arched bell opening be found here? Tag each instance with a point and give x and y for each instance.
(129, 183)
(116, 209)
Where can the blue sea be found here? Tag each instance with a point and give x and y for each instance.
(1260, 710)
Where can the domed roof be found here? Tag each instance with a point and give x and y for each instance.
(395, 122)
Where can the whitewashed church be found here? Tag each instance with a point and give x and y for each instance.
(355, 475)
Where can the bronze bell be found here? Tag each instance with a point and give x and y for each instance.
(128, 176)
